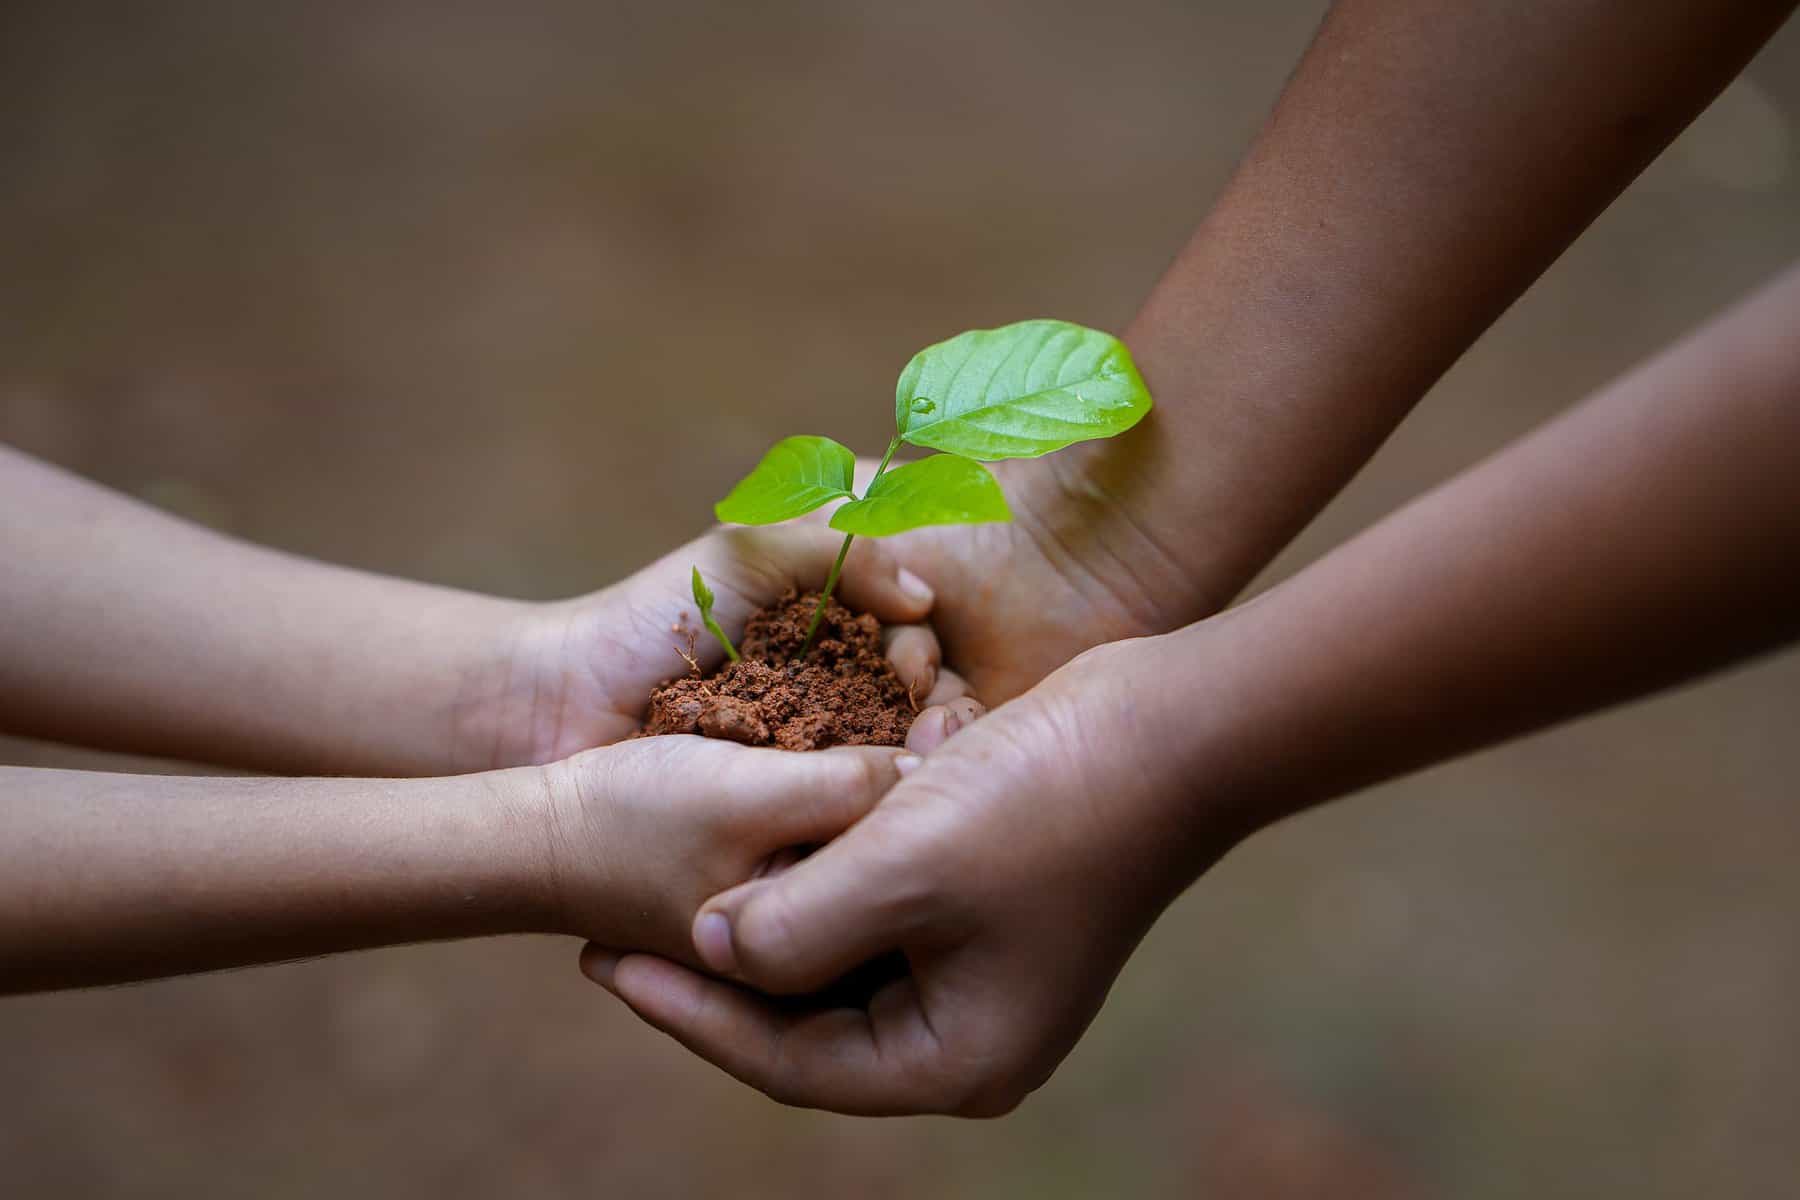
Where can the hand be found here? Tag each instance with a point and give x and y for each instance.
(568, 676)
(640, 834)
(1016, 601)
(1009, 603)
(1016, 869)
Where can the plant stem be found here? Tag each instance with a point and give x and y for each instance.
(837, 568)
(712, 627)
(812, 630)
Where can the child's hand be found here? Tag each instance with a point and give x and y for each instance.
(106, 878)
(578, 674)
(640, 834)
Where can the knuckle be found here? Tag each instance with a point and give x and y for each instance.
(765, 937)
(877, 559)
(865, 775)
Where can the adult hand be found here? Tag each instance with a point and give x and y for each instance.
(1016, 870)
(1016, 601)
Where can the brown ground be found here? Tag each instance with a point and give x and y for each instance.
(502, 296)
(844, 693)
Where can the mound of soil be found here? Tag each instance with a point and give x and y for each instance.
(843, 694)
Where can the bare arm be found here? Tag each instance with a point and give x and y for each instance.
(125, 628)
(108, 878)
(1424, 165)
(122, 627)
(1648, 536)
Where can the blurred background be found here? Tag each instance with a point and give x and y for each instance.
(503, 296)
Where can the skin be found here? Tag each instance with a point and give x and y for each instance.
(1627, 546)
(1423, 166)
(1362, 245)
(1363, 216)
(108, 878)
(128, 629)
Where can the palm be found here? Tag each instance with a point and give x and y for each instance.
(581, 671)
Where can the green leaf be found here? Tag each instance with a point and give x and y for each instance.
(796, 476)
(1019, 391)
(703, 596)
(944, 489)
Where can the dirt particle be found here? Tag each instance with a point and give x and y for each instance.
(844, 694)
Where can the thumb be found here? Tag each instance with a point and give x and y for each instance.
(799, 931)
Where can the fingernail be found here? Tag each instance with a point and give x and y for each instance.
(598, 965)
(712, 941)
(907, 763)
(916, 589)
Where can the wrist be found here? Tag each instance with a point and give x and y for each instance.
(1251, 722)
(1082, 511)
(504, 672)
(1180, 752)
(497, 869)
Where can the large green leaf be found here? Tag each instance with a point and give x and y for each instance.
(941, 490)
(1019, 391)
(796, 476)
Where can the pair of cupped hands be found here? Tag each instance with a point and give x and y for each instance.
(1014, 861)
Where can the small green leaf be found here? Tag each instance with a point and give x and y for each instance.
(1019, 391)
(944, 489)
(796, 476)
(703, 596)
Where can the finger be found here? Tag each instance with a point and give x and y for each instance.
(950, 686)
(756, 565)
(935, 726)
(913, 651)
(829, 1058)
(598, 963)
(780, 861)
(797, 932)
(874, 582)
(812, 798)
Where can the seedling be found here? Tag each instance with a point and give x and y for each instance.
(1020, 391)
(703, 596)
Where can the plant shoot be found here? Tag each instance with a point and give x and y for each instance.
(703, 596)
(1020, 391)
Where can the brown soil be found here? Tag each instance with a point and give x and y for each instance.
(844, 694)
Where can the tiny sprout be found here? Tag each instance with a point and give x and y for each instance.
(1020, 391)
(703, 597)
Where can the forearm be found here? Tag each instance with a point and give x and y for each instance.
(1642, 539)
(124, 628)
(1424, 165)
(108, 878)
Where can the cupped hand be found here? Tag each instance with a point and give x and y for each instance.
(1016, 601)
(639, 835)
(1016, 870)
(578, 673)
